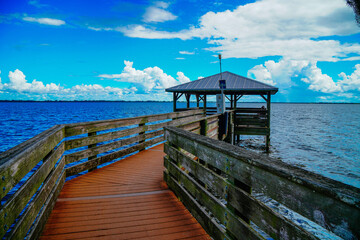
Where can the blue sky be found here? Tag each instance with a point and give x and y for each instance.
(133, 50)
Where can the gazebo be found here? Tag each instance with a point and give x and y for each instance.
(247, 121)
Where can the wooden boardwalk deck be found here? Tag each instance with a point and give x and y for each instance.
(125, 200)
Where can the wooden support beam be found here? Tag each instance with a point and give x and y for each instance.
(204, 99)
(92, 146)
(267, 142)
(240, 96)
(179, 96)
(197, 101)
(235, 101)
(187, 96)
(264, 97)
(142, 133)
(174, 101)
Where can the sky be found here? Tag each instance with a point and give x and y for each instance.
(133, 50)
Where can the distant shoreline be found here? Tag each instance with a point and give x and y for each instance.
(51, 101)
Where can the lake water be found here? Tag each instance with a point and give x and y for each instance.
(323, 138)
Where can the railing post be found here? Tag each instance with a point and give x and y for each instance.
(267, 143)
(231, 127)
(142, 133)
(92, 146)
(203, 127)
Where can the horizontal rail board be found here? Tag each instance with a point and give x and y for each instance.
(109, 157)
(234, 224)
(270, 221)
(85, 141)
(19, 162)
(44, 214)
(251, 123)
(191, 126)
(211, 227)
(73, 157)
(250, 110)
(251, 130)
(22, 226)
(255, 118)
(213, 125)
(304, 192)
(89, 140)
(17, 203)
(86, 127)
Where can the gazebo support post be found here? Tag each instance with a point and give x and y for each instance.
(267, 143)
(204, 99)
(174, 101)
(187, 96)
(197, 100)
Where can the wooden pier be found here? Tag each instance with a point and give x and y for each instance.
(112, 180)
(125, 200)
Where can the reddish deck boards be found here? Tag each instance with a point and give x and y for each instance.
(125, 200)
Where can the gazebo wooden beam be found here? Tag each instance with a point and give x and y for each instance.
(187, 96)
(268, 101)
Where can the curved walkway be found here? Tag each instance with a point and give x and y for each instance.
(125, 200)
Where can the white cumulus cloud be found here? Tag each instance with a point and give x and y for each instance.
(271, 28)
(46, 21)
(318, 81)
(158, 13)
(148, 80)
(283, 72)
(18, 85)
(352, 81)
(277, 73)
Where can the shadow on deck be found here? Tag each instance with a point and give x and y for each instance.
(125, 200)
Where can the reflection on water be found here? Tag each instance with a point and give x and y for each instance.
(323, 138)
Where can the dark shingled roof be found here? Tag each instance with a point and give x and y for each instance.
(234, 84)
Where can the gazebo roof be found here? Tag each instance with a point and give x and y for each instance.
(235, 84)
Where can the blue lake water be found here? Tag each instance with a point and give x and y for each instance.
(323, 138)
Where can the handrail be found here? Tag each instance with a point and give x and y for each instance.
(33, 173)
(220, 177)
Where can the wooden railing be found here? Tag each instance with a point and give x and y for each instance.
(251, 121)
(215, 180)
(33, 173)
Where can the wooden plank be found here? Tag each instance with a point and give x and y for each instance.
(196, 131)
(92, 146)
(44, 214)
(142, 135)
(95, 126)
(26, 220)
(212, 126)
(81, 142)
(251, 131)
(254, 118)
(15, 164)
(205, 220)
(233, 224)
(307, 193)
(14, 206)
(250, 110)
(76, 156)
(270, 221)
(109, 157)
(190, 126)
(85, 141)
(175, 122)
